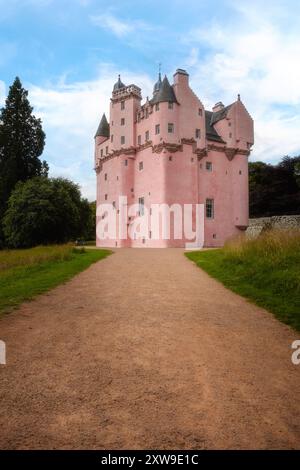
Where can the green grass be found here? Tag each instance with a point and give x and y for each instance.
(265, 270)
(24, 274)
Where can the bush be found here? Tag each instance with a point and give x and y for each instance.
(44, 211)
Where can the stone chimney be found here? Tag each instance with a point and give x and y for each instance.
(181, 77)
(218, 106)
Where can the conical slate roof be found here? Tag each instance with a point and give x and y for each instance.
(157, 85)
(118, 85)
(165, 93)
(103, 128)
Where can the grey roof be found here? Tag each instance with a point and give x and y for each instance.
(165, 93)
(103, 128)
(218, 115)
(118, 85)
(211, 133)
(157, 85)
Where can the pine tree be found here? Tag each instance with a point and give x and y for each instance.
(22, 142)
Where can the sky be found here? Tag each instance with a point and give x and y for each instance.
(68, 54)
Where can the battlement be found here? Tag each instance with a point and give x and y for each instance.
(126, 92)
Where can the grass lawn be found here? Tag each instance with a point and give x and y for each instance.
(266, 271)
(24, 274)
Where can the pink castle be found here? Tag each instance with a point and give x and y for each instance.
(171, 150)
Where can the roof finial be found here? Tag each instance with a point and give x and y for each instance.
(239, 97)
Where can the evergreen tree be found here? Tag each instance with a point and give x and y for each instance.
(22, 142)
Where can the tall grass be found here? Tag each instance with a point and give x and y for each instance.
(265, 270)
(33, 256)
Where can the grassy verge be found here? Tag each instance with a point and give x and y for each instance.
(24, 274)
(266, 271)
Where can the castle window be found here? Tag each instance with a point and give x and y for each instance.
(139, 139)
(229, 124)
(106, 150)
(230, 135)
(122, 104)
(208, 166)
(141, 166)
(141, 206)
(105, 197)
(157, 107)
(214, 235)
(157, 129)
(114, 204)
(170, 127)
(150, 234)
(111, 138)
(101, 152)
(122, 139)
(146, 136)
(105, 177)
(126, 162)
(240, 172)
(170, 158)
(112, 123)
(170, 105)
(209, 208)
(200, 112)
(122, 121)
(197, 133)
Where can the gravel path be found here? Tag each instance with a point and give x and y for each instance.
(145, 350)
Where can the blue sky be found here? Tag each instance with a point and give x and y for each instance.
(68, 54)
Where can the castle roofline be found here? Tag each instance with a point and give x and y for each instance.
(165, 93)
(103, 128)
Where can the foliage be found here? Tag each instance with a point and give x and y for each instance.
(44, 211)
(275, 189)
(265, 270)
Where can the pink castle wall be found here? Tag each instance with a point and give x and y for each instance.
(183, 178)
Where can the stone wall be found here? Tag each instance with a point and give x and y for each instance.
(281, 222)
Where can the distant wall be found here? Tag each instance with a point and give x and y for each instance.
(281, 222)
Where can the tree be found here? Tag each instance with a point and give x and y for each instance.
(22, 142)
(43, 211)
(274, 189)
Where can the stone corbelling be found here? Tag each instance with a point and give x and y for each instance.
(230, 152)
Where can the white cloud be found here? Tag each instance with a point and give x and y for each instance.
(71, 114)
(256, 57)
(118, 27)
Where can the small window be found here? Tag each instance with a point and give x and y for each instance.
(170, 105)
(117, 178)
(114, 204)
(146, 136)
(214, 235)
(141, 166)
(123, 122)
(141, 206)
(106, 150)
(157, 129)
(229, 124)
(198, 134)
(150, 234)
(147, 113)
(209, 208)
(101, 153)
(230, 135)
(126, 162)
(240, 172)
(208, 166)
(170, 158)
(112, 123)
(199, 112)
(122, 139)
(170, 127)
(157, 107)
(122, 104)
(139, 139)
(105, 177)
(132, 190)
(105, 197)
(111, 138)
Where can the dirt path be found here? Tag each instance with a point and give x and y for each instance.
(144, 350)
